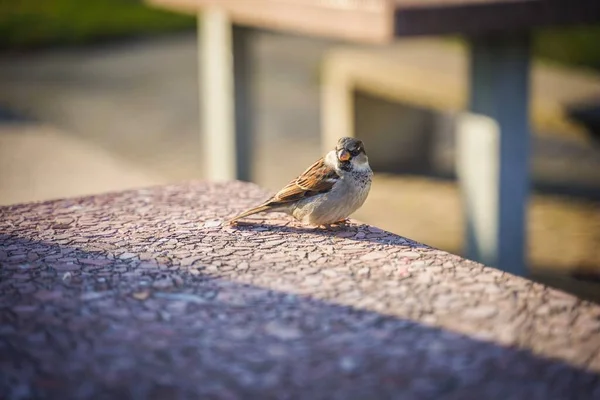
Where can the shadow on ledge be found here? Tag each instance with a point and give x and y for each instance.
(105, 324)
(346, 231)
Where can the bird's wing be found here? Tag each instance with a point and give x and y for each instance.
(318, 178)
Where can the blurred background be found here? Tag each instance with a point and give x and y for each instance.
(105, 98)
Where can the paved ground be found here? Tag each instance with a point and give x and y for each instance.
(144, 295)
(125, 115)
(40, 162)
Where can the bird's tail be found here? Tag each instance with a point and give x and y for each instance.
(255, 210)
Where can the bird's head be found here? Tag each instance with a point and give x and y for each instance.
(351, 153)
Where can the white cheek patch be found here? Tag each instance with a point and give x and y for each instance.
(331, 159)
(361, 163)
(363, 166)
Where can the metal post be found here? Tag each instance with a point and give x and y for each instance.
(493, 151)
(224, 90)
(243, 93)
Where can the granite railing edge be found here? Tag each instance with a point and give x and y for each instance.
(198, 183)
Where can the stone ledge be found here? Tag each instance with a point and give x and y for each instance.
(144, 294)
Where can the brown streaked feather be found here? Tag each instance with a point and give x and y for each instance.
(318, 178)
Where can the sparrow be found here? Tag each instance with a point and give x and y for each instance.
(328, 192)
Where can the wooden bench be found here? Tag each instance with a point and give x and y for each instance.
(493, 165)
(145, 294)
(433, 74)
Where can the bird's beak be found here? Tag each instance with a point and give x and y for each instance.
(344, 155)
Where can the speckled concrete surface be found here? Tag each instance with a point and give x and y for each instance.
(143, 294)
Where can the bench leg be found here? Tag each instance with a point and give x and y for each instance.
(224, 65)
(493, 148)
(337, 106)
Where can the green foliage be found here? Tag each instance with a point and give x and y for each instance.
(33, 23)
(578, 45)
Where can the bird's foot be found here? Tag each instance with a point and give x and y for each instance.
(334, 225)
(342, 222)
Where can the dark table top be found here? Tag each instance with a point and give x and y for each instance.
(379, 21)
(144, 294)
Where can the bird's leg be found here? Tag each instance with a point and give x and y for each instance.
(342, 222)
(333, 225)
(325, 227)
